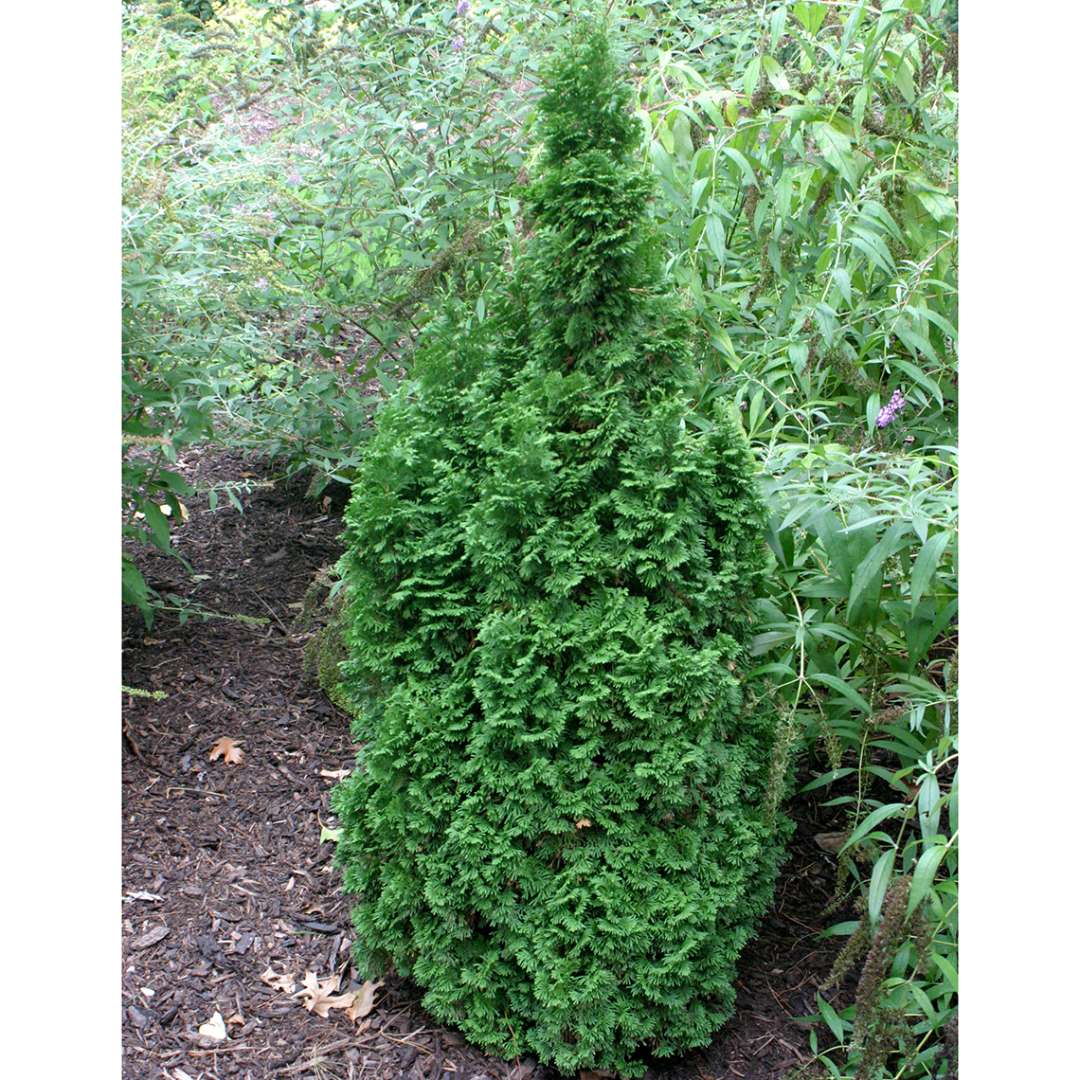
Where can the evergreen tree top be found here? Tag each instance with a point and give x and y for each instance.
(597, 252)
(587, 104)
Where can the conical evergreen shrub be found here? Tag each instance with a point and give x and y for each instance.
(558, 822)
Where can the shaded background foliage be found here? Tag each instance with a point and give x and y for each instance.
(305, 185)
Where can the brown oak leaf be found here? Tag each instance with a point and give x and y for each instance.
(228, 750)
(364, 1000)
(318, 994)
(283, 982)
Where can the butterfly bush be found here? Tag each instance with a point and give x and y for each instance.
(890, 410)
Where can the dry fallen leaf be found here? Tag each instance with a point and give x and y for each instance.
(831, 841)
(283, 982)
(227, 749)
(150, 896)
(318, 994)
(214, 1028)
(582, 823)
(334, 774)
(236, 1018)
(365, 1001)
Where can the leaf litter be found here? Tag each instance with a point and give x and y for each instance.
(228, 750)
(319, 996)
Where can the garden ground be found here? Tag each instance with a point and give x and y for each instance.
(227, 874)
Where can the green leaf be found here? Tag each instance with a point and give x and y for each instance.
(331, 836)
(851, 26)
(158, 523)
(776, 26)
(762, 643)
(929, 805)
(843, 689)
(133, 588)
(842, 929)
(754, 415)
(803, 113)
(923, 878)
(744, 165)
(926, 564)
(949, 971)
(916, 342)
(919, 378)
(840, 550)
(684, 143)
(811, 15)
(836, 150)
(874, 248)
(919, 995)
(661, 158)
(880, 878)
(872, 821)
(939, 207)
(904, 81)
(873, 407)
(858, 109)
(775, 74)
(174, 482)
(842, 280)
(826, 778)
(866, 580)
(714, 236)
(751, 76)
(828, 1014)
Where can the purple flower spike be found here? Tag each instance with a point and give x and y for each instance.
(463, 7)
(458, 43)
(888, 412)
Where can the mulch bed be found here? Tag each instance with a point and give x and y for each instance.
(224, 872)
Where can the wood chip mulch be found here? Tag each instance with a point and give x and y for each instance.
(224, 871)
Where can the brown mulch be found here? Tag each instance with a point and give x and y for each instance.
(224, 874)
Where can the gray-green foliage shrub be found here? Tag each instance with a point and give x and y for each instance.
(560, 824)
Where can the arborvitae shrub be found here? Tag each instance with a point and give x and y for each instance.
(558, 822)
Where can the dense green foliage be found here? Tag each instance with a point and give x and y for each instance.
(560, 823)
(306, 185)
(860, 633)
